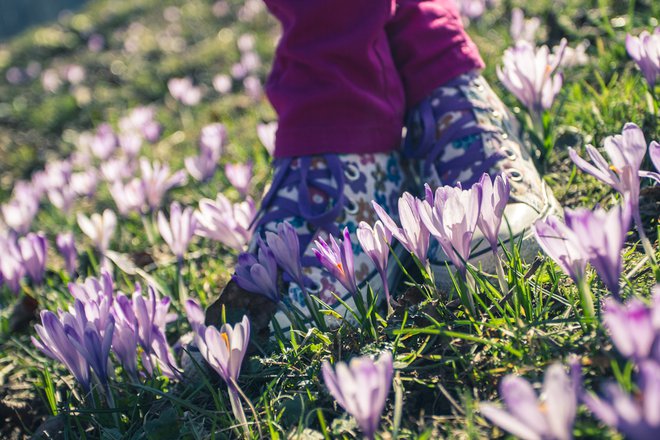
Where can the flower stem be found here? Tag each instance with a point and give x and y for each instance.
(586, 299)
(501, 276)
(237, 409)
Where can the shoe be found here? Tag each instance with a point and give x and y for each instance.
(460, 131)
(320, 196)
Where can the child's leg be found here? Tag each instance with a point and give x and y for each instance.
(456, 126)
(340, 104)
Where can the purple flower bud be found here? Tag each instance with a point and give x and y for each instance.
(66, 245)
(183, 90)
(361, 388)
(240, 176)
(178, 232)
(495, 196)
(228, 223)
(11, 265)
(213, 138)
(225, 349)
(338, 260)
(645, 50)
(104, 142)
(84, 183)
(33, 251)
(18, 213)
(266, 134)
(526, 416)
(561, 244)
(117, 169)
(195, 314)
(128, 197)
(285, 247)
(521, 28)
(375, 242)
(452, 220)
(157, 180)
(99, 228)
(631, 327)
(258, 275)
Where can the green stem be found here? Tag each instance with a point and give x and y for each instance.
(501, 276)
(586, 299)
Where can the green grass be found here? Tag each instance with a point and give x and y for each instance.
(446, 359)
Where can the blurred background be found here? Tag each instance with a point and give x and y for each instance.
(16, 15)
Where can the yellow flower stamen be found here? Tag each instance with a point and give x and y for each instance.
(226, 339)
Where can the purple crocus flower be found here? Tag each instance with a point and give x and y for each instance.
(375, 242)
(529, 418)
(104, 142)
(225, 350)
(62, 197)
(495, 196)
(361, 388)
(645, 50)
(157, 181)
(33, 251)
(211, 144)
(11, 266)
(54, 343)
(125, 338)
(178, 232)
(631, 327)
(99, 228)
(201, 167)
(412, 234)
(266, 134)
(130, 143)
(84, 183)
(338, 260)
(97, 297)
(258, 274)
(222, 83)
(18, 213)
(195, 314)
(183, 90)
(521, 28)
(285, 246)
(129, 197)
(213, 138)
(240, 176)
(561, 244)
(530, 74)
(117, 169)
(226, 222)
(452, 220)
(66, 245)
(636, 416)
(602, 234)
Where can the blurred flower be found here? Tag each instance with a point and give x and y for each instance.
(33, 251)
(636, 416)
(572, 56)
(530, 74)
(452, 219)
(14, 76)
(141, 120)
(104, 142)
(266, 135)
(285, 246)
(117, 168)
(95, 43)
(246, 42)
(528, 417)
(563, 246)
(222, 83)
(18, 213)
(361, 388)
(253, 88)
(11, 266)
(130, 143)
(67, 248)
(240, 176)
(125, 338)
(157, 181)
(128, 197)
(213, 138)
(195, 314)
(62, 197)
(183, 90)
(178, 232)
(50, 80)
(225, 350)
(632, 327)
(84, 183)
(602, 234)
(523, 29)
(228, 223)
(495, 196)
(74, 73)
(258, 275)
(99, 228)
(338, 261)
(97, 297)
(645, 50)
(413, 234)
(375, 242)
(55, 343)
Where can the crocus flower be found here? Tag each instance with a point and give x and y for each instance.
(531, 75)
(66, 245)
(530, 418)
(636, 416)
(224, 350)
(266, 134)
(99, 228)
(412, 234)
(117, 169)
(157, 181)
(201, 167)
(602, 234)
(11, 266)
(645, 50)
(178, 232)
(240, 176)
(213, 138)
(129, 197)
(62, 197)
(222, 83)
(194, 314)
(495, 196)
(104, 142)
(375, 242)
(361, 388)
(18, 213)
(563, 246)
(452, 220)
(228, 223)
(183, 90)
(631, 327)
(125, 338)
(130, 143)
(258, 274)
(338, 261)
(84, 183)
(285, 246)
(33, 251)
(54, 343)
(211, 143)
(521, 28)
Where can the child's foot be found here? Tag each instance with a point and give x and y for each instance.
(319, 196)
(463, 130)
